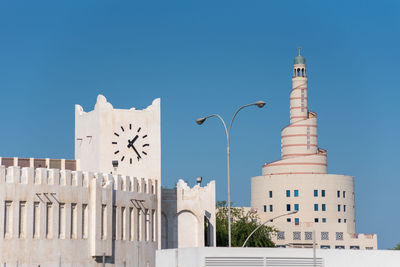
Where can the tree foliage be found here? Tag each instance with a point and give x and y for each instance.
(397, 247)
(242, 224)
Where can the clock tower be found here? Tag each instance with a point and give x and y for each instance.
(122, 141)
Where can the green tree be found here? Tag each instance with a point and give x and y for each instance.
(243, 223)
(397, 247)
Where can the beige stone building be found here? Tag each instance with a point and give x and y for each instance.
(103, 207)
(300, 182)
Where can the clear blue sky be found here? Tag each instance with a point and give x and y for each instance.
(205, 57)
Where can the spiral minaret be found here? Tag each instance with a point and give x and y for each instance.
(299, 140)
(299, 181)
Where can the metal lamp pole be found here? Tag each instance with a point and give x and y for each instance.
(200, 121)
(258, 227)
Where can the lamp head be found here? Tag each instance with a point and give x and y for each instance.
(198, 180)
(200, 121)
(260, 104)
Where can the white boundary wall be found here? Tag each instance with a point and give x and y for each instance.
(210, 257)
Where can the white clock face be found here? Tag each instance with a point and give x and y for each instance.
(130, 144)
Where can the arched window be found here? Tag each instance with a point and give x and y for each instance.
(302, 72)
(298, 72)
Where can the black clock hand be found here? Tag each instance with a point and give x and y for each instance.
(134, 139)
(139, 157)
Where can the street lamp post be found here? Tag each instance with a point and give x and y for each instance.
(258, 227)
(200, 121)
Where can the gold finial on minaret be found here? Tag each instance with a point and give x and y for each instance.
(299, 50)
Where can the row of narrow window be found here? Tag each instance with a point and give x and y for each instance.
(296, 207)
(316, 193)
(323, 207)
(309, 235)
(323, 220)
(48, 216)
(328, 247)
(324, 236)
(299, 72)
(297, 220)
(126, 221)
(316, 220)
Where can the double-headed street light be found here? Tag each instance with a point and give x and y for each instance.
(270, 220)
(200, 121)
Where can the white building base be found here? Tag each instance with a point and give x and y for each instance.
(246, 257)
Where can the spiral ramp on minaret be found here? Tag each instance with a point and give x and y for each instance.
(299, 140)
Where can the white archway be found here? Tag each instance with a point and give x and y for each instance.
(188, 229)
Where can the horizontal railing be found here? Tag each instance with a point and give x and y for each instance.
(61, 164)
